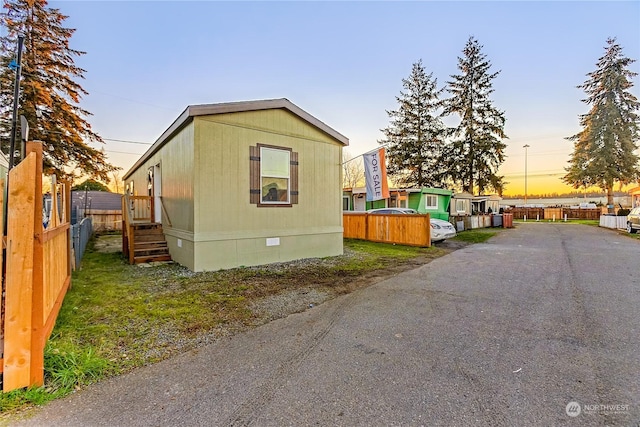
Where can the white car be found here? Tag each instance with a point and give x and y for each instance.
(440, 229)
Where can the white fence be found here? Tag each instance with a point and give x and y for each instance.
(610, 221)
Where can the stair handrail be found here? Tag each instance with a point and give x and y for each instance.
(127, 209)
(164, 211)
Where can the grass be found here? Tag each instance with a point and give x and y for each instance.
(477, 235)
(117, 317)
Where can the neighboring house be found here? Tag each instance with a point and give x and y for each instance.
(461, 204)
(104, 208)
(434, 201)
(486, 203)
(87, 201)
(244, 183)
(354, 199)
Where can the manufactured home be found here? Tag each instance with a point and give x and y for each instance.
(241, 184)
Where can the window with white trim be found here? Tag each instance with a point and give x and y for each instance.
(460, 206)
(431, 201)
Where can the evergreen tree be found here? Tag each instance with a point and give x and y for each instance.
(49, 94)
(603, 151)
(476, 151)
(414, 138)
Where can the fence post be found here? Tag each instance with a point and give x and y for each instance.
(37, 310)
(67, 219)
(19, 278)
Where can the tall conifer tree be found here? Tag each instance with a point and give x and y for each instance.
(604, 151)
(475, 153)
(415, 135)
(49, 94)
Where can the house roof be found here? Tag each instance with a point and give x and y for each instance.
(100, 200)
(440, 191)
(363, 190)
(463, 195)
(234, 107)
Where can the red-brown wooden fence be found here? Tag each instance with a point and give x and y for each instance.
(412, 230)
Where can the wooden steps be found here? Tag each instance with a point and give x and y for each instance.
(149, 243)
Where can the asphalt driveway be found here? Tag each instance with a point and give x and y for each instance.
(505, 333)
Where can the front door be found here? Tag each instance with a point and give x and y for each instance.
(157, 193)
(154, 190)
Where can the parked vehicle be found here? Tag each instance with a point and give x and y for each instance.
(388, 211)
(440, 229)
(633, 220)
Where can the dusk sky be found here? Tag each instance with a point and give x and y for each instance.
(344, 62)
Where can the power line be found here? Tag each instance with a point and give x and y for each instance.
(126, 141)
(548, 174)
(123, 152)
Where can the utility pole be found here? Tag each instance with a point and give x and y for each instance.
(16, 95)
(12, 145)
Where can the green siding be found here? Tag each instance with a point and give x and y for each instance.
(376, 204)
(414, 201)
(444, 196)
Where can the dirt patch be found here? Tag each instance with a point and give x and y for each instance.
(322, 284)
(108, 243)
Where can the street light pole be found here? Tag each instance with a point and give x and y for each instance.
(525, 172)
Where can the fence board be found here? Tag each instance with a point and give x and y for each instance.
(412, 230)
(18, 299)
(56, 274)
(355, 225)
(105, 219)
(2, 183)
(36, 371)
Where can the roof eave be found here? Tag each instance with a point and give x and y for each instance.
(233, 107)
